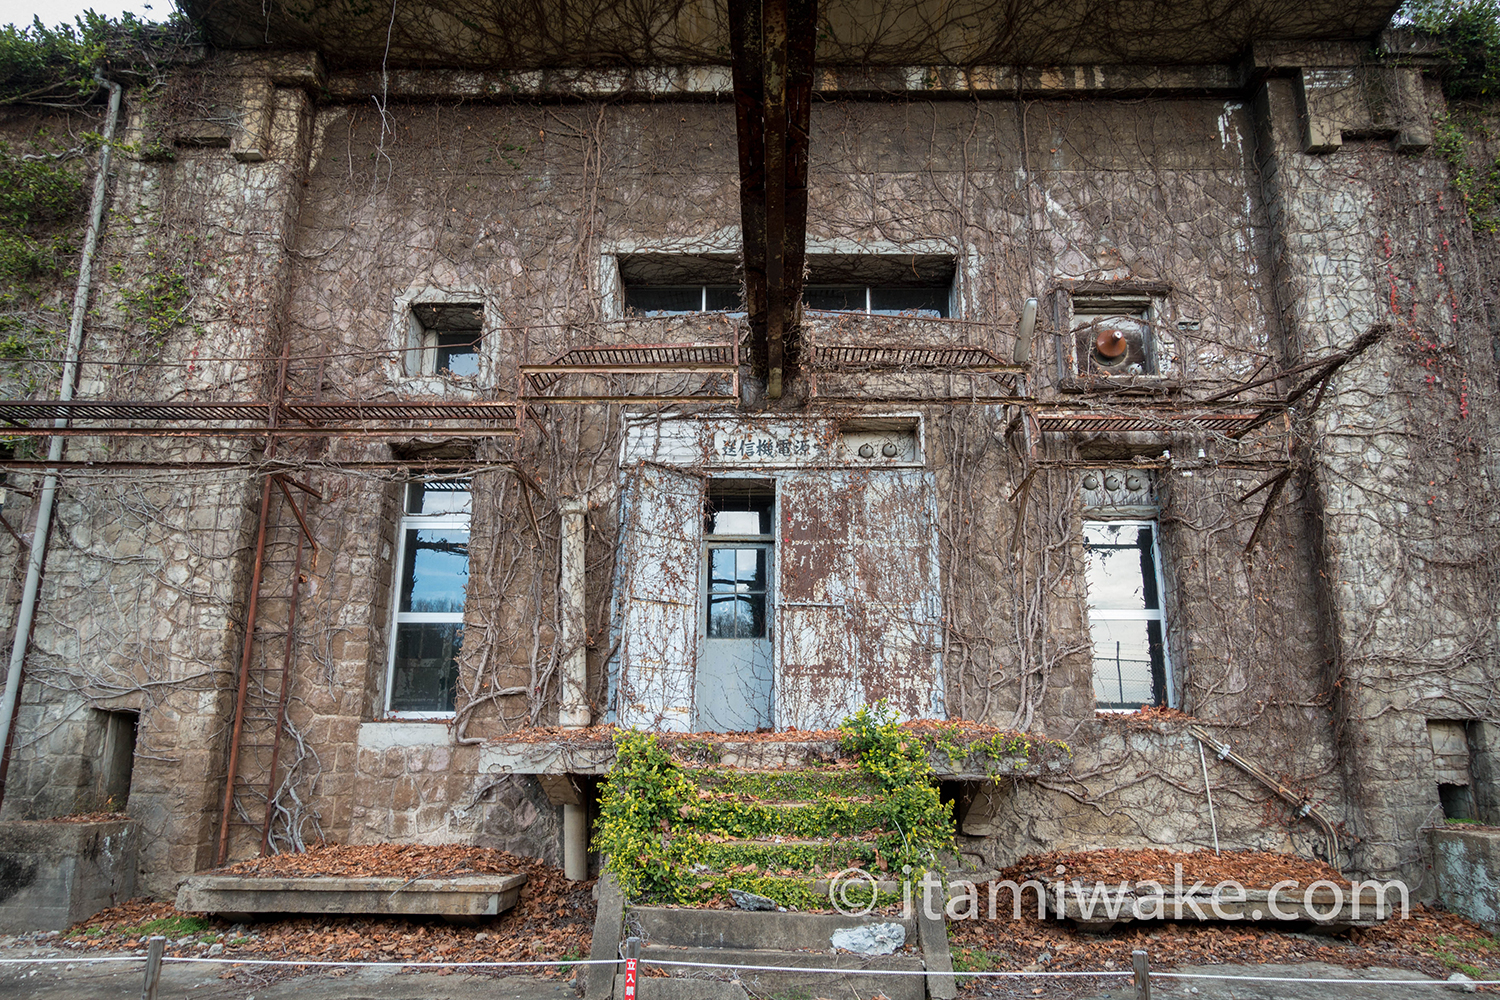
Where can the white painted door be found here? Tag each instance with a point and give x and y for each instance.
(663, 520)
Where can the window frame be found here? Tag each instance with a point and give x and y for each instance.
(405, 524)
(1158, 614)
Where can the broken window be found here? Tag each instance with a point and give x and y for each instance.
(447, 338)
(433, 561)
(1112, 335)
(1125, 614)
(1451, 767)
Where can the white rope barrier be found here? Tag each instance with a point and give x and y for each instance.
(325, 963)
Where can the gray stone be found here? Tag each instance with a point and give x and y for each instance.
(871, 939)
(1462, 983)
(750, 901)
(609, 918)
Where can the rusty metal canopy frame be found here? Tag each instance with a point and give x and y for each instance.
(1219, 413)
(397, 418)
(634, 360)
(831, 360)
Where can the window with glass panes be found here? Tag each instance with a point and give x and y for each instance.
(431, 581)
(1125, 614)
(739, 543)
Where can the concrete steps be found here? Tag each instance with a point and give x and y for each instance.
(792, 953)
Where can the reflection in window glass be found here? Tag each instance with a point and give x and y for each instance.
(435, 571)
(458, 354)
(737, 591)
(1125, 618)
(426, 666)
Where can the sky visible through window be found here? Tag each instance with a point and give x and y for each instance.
(58, 12)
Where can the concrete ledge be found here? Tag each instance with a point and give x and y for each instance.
(1466, 869)
(825, 976)
(760, 930)
(53, 874)
(1102, 908)
(597, 758)
(675, 988)
(466, 897)
(393, 735)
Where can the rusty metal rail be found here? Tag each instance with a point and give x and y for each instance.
(207, 418)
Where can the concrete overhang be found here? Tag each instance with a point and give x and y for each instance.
(503, 34)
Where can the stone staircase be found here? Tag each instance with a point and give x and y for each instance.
(694, 829)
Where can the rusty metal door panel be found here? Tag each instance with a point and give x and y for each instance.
(816, 683)
(813, 542)
(860, 608)
(899, 591)
(900, 660)
(659, 635)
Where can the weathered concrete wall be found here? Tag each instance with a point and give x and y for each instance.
(1466, 872)
(53, 875)
(317, 226)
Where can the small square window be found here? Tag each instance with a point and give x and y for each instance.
(447, 337)
(1112, 335)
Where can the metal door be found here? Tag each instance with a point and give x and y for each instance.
(733, 687)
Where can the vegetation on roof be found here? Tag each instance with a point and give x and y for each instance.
(1469, 32)
(56, 66)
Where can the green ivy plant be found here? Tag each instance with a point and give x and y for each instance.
(1469, 34)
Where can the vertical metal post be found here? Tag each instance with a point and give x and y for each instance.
(1142, 974)
(632, 959)
(154, 949)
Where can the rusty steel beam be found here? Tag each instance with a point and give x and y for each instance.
(747, 50)
(771, 43)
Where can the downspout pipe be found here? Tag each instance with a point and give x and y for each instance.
(26, 616)
(574, 710)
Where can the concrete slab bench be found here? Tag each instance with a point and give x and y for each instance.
(462, 898)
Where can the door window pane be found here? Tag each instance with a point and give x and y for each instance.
(1123, 663)
(1121, 574)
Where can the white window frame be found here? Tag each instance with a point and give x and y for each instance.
(399, 617)
(1159, 614)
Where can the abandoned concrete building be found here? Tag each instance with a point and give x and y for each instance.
(444, 377)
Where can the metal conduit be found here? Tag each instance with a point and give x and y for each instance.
(45, 503)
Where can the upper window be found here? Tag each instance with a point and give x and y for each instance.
(1125, 614)
(656, 284)
(448, 336)
(433, 561)
(674, 300)
(1112, 335)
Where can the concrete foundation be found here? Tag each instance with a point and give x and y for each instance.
(53, 874)
(1466, 869)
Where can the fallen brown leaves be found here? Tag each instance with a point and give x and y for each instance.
(553, 919)
(1252, 869)
(1428, 941)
